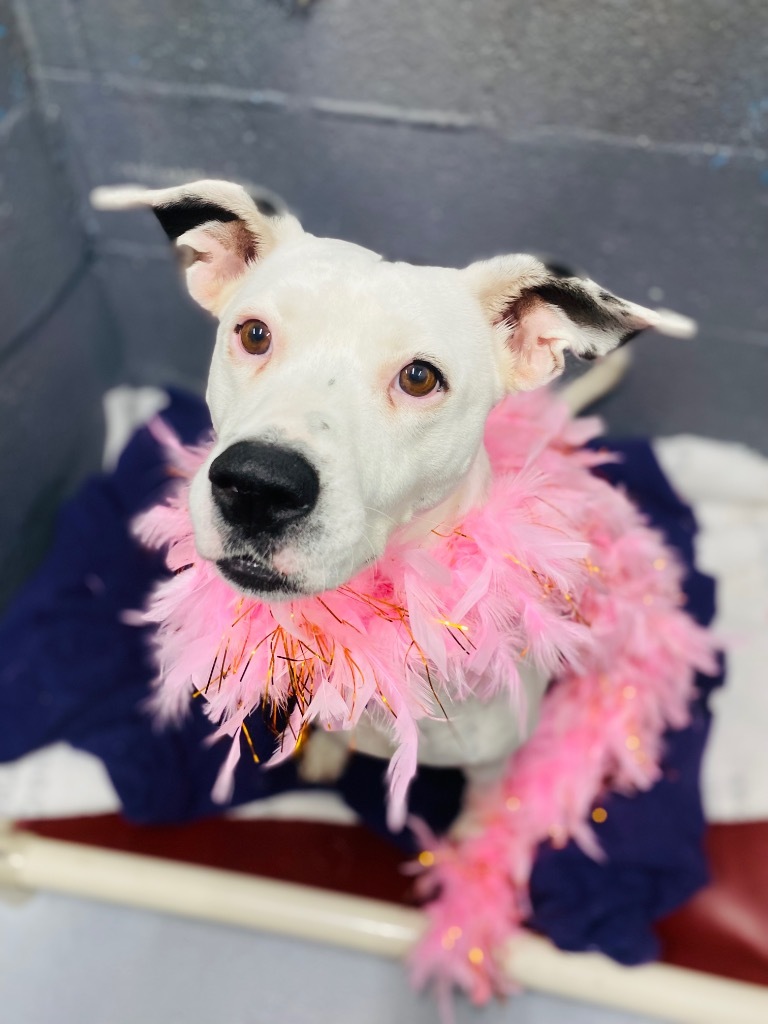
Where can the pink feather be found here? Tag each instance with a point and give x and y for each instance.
(557, 568)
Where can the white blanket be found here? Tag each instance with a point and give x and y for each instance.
(727, 487)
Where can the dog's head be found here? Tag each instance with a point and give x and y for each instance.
(349, 394)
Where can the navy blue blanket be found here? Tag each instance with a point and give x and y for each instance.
(73, 670)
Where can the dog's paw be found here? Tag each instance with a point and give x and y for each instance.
(323, 758)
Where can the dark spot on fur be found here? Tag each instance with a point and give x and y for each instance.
(324, 425)
(331, 382)
(266, 207)
(557, 269)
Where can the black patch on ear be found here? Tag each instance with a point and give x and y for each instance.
(606, 312)
(179, 217)
(579, 305)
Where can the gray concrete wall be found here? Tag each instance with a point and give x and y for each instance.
(629, 138)
(53, 361)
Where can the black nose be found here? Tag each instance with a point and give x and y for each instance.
(261, 488)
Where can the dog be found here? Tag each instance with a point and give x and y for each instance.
(349, 397)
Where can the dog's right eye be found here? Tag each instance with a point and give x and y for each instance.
(419, 379)
(255, 337)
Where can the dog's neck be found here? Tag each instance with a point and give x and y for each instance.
(443, 518)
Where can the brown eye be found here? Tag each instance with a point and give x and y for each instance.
(255, 337)
(420, 379)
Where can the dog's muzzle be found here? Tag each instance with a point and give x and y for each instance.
(261, 489)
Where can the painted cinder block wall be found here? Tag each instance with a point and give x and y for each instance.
(629, 139)
(54, 317)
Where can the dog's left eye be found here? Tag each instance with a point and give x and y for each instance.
(420, 379)
(255, 337)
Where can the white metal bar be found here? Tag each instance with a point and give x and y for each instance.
(373, 926)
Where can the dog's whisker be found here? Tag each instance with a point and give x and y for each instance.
(369, 542)
(381, 512)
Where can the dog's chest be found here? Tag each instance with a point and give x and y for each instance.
(472, 732)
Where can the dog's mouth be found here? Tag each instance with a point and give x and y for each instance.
(254, 577)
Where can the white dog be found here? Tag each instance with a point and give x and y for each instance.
(349, 397)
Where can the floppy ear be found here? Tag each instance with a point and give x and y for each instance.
(216, 226)
(539, 315)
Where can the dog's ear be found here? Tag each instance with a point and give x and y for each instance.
(538, 316)
(217, 227)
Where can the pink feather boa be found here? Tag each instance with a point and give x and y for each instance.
(557, 568)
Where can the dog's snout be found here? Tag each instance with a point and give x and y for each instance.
(261, 488)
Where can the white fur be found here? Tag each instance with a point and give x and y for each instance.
(344, 323)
